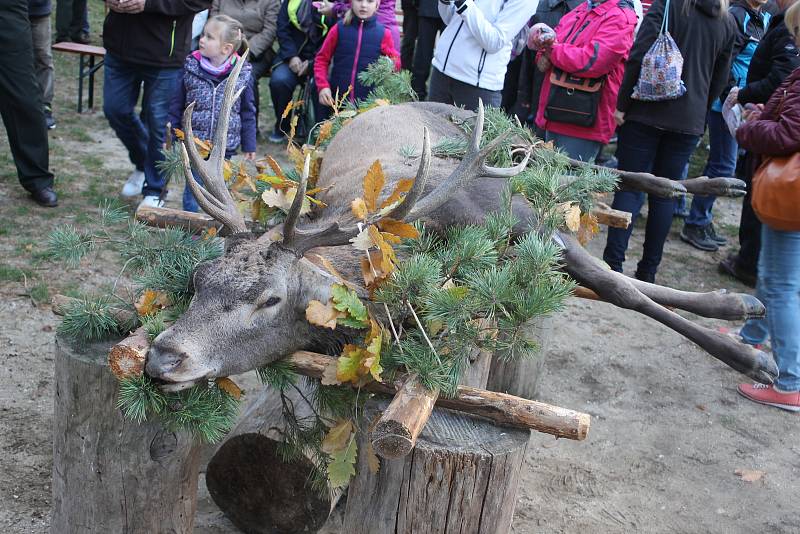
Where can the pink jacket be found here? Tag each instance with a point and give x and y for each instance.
(591, 43)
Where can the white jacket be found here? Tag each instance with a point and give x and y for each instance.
(475, 47)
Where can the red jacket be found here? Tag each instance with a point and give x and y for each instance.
(591, 43)
(777, 131)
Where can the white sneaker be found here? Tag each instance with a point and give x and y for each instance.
(133, 185)
(151, 201)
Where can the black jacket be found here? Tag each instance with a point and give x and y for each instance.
(706, 41)
(159, 36)
(294, 42)
(774, 59)
(38, 8)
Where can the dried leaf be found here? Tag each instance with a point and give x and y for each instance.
(322, 261)
(572, 215)
(342, 465)
(750, 475)
(276, 168)
(229, 386)
(373, 185)
(337, 437)
(323, 315)
(373, 462)
(398, 228)
(403, 186)
(588, 228)
(151, 301)
(297, 157)
(289, 107)
(359, 209)
(362, 241)
(211, 233)
(324, 132)
(283, 200)
(391, 238)
(372, 272)
(349, 363)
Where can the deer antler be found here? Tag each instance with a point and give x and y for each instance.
(213, 196)
(472, 166)
(296, 207)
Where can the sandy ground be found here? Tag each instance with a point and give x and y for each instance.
(668, 429)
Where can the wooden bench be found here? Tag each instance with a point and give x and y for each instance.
(86, 67)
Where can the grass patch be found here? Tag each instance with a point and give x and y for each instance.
(9, 273)
(40, 293)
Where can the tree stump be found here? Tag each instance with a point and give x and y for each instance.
(521, 377)
(462, 477)
(111, 474)
(254, 488)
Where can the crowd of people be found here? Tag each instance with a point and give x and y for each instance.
(582, 73)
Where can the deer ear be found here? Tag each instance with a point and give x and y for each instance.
(235, 241)
(316, 282)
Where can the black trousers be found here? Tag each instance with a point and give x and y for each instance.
(69, 18)
(427, 28)
(21, 104)
(749, 225)
(410, 30)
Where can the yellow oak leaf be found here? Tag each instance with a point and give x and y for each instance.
(349, 363)
(398, 228)
(283, 200)
(372, 270)
(373, 185)
(403, 186)
(373, 462)
(338, 437)
(572, 215)
(359, 209)
(589, 227)
(323, 315)
(276, 168)
(229, 386)
(151, 301)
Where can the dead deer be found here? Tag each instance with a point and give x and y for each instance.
(249, 305)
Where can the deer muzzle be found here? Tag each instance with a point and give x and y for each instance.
(175, 366)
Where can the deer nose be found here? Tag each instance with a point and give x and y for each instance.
(163, 361)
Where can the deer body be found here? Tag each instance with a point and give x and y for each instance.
(249, 305)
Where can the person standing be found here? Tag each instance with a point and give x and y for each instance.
(146, 42)
(39, 16)
(775, 58)
(751, 24)
(775, 131)
(472, 54)
(21, 104)
(659, 137)
(72, 22)
(429, 24)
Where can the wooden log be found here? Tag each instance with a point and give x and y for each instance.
(462, 477)
(611, 217)
(111, 474)
(127, 358)
(250, 483)
(172, 218)
(499, 408)
(61, 303)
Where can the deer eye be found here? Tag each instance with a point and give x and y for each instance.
(271, 301)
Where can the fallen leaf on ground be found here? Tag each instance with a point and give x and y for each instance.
(750, 475)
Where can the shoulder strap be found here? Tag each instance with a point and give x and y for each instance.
(665, 19)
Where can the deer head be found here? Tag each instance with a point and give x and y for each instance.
(249, 305)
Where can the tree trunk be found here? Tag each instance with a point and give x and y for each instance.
(521, 377)
(462, 477)
(250, 483)
(111, 474)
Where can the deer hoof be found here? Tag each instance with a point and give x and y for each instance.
(766, 370)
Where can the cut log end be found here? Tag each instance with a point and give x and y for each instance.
(127, 358)
(392, 440)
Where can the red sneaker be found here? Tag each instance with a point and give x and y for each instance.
(765, 394)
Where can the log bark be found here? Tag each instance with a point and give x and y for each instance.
(462, 477)
(250, 483)
(127, 358)
(396, 432)
(520, 377)
(499, 408)
(111, 474)
(172, 218)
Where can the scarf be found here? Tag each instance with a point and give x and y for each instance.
(207, 66)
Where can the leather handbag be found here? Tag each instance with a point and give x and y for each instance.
(573, 100)
(776, 190)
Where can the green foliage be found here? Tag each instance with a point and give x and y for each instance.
(67, 244)
(205, 411)
(279, 374)
(90, 319)
(171, 167)
(342, 465)
(387, 84)
(346, 300)
(154, 324)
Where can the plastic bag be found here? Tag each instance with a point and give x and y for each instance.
(732, 113)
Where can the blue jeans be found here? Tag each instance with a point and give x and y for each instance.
(643, 148)
(721, 163)
(680, 202)
(575, 147)
(779, 290)
(143, 133)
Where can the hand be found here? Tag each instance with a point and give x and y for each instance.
(126, 6)
(325, 97)
(543, 63)
(250, 156)
(541, 36)
(733, 96)
(294, 65)
(324, 8)
(303, 68)
(619, 117)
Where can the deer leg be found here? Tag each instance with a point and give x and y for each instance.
(617, 289)
(721, 187)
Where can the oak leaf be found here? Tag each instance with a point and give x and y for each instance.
(349, 363)
(229, 386)
(342, 465)
(282, 199)
(338, 437)
(398, 228)
(323, 315)
(572, 215)
(151, 301)
(373, 185)
(588, 228)
(362, 241)
(347, 301)
(359, 209)
(371, 270)
(403, 186)
(276, 168)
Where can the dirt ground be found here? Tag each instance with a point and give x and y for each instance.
(668, 429)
